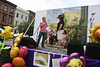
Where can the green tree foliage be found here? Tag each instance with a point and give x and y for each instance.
(23, 26)
(12, 25)
(65, 23)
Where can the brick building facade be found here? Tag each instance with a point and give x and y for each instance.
(31, 15)
(7, 12)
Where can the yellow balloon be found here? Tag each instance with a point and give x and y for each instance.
(14, 52)
(75, 62)
(8, 28)
(17, 40)
(7, 32)
(92, 34)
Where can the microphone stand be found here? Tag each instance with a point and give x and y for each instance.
(36, 34)
(91, 24)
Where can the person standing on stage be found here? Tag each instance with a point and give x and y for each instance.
(43, 31)
(60, 30)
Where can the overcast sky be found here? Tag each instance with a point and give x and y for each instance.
(36, 5)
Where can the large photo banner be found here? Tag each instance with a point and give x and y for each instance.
(75, 22)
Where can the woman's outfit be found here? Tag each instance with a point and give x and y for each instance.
(60, 33)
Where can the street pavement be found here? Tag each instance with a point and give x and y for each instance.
(54, 50)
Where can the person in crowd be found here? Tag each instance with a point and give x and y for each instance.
(47, 40)
(43, 31)
(65, 37)
(55, 36)
(50, 38)
(60, 30)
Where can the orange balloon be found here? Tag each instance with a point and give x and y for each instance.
(18, 62)
(97, 33)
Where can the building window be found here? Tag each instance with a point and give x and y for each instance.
(10, 19)
(16, 23)
(5, 8)
(17, 14)
(26, 18)
(22, 16)
(4, 17)
(11, 10)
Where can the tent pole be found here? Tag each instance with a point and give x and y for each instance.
(29, 26)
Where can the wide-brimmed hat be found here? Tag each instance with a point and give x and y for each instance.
(57, 16)
(61, 16)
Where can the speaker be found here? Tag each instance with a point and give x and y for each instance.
(92, 50)
(75, 47)
(29, 42)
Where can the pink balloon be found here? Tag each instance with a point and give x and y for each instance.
(84, 60)
(64, 61)
(7, 65)
(23, 52)
(74, 55)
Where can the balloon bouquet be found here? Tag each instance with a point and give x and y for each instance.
(6, 34)
(74, 60)
(17, 55)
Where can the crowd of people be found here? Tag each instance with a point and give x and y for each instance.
(59, 36)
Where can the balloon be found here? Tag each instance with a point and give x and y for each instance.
(7, 47)
(8, 28)
(63, 61)
(14, 52)
(83, 59)
(7, 33)
(17, 40)
(74, 60)
(23, 52)
(95, 34)
(74, 55)
(18, 62)
(7, 65)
